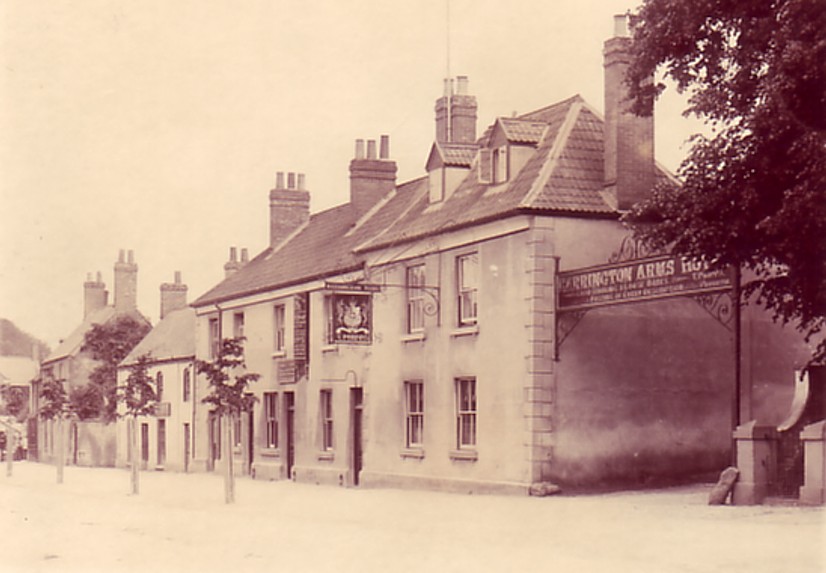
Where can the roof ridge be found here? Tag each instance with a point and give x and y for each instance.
(560, 141)
(560, 103)
(392, 223)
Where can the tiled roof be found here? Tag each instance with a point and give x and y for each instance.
(564, 175)
(172, 338)
(72, 343)
(521, 130)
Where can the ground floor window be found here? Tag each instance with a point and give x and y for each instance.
(414, 413)
(326, 399)
(271, 419)
(466, 412)
(161, 442)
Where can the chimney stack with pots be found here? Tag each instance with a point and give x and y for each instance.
(289, 207)
(173, 295)
(126, 282)
(95, 296)
(371, 177)
(629, 138)
(456, 113)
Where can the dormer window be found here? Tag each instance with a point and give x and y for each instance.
(500, 164)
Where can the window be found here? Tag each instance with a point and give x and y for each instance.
(414, 413)
(271, 419)
(238, 325)
(214, 338)
(467, 277)
(415, 280)
(161, 442)
(279, 328)
(500, 164)
(465, 412)
(326, 419)
(187, 385)
(329, 317)
(159, 386)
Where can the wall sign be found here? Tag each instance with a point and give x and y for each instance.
(352, 318)
(638, 280)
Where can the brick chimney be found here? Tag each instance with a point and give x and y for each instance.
(289, 207)
(126, 283)
(173, 295)
(95, 296)
(234, 264)
(371, 177)
(456, 113)
(629, 139)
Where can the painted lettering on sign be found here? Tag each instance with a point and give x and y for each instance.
(634, 281)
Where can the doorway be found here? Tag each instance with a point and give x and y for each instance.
(144, 446)
(214, 440)
(187, 437)
(357, 408)
(289, 422)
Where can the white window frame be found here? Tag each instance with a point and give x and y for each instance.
(466, 410)
(214, 338)
(279, 319)
(326, 418)
(467, 289)
(414, 282)
(413, 414)
(238, 324)
(270, 401)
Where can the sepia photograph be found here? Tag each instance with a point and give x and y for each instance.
(397, 286)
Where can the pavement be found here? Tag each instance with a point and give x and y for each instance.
(180, 523)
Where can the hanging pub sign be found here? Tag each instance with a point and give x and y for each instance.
(638, 280)
(352, 318)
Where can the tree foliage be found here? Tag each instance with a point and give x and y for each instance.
(109, 343)
(138, 394)
(86, 401)
(54, 401)
(228, 379)
(16, 401)
(753, 192)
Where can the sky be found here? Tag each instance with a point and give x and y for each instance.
(159, 126)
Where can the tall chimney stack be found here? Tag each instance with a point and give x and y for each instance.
(95, 296)
(126, 283)
(371, 177)
(456, 113)
(289, 207)
(173, 295)
(629, 138)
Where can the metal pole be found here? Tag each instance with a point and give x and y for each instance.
(229, 478)
(61, 449)
(133, 454)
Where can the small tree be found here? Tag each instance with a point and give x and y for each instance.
(228, 395)
(109, 343)
(55, 406)
(139, 398)
(16, 399)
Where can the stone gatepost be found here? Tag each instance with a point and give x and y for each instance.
(813, 491)
(756, 448)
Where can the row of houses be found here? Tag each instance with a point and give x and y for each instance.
(413, 336)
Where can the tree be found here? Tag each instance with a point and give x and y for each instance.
(55, 406)
(16, 399)
(228, 395)
(753, 192)
(139, 398)
(109, 343)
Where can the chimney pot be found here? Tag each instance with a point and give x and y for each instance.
(371, 149)
(461, 85)
(121, 256)
(301, 182)
(621, 26)
(244, 255)
(279, 180)
(88, 277)
(359, 149)
(177, 277)
(290, 180)
(131, 256)
(233, 254)
(99, 277)
(384, 148)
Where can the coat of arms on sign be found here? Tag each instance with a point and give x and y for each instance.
(352, 318)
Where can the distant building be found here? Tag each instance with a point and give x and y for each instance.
(90, 443)
(164, 439)
(415, 337)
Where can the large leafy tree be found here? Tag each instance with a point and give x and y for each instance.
(753, 191)
(108, 343)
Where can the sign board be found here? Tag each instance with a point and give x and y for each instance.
(636, 281)
(352, 318)
(352, 287)
(286, 372)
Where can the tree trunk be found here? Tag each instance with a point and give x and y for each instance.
(133, 454)
(61, 450)
(229, 478)
(10, 447)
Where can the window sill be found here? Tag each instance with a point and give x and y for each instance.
(413, 337)
(326, 456)
(330, 348)
(279, 354)
(464, 455)
(412, 453)
(468, 330)
(270, 453)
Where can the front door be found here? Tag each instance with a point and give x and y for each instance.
(214, 440)
(356, 405)
(289, 418)
(144, 446)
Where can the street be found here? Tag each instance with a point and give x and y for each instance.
(179, 523)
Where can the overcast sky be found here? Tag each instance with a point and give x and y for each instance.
(159, 125)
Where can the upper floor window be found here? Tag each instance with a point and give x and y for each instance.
(467, 280)
(187, 385)
(415, 280)
(214, 338)
(326, 416)
(238, 324)
(279, 328)
(159, 386)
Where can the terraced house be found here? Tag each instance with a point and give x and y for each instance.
(414, 337)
